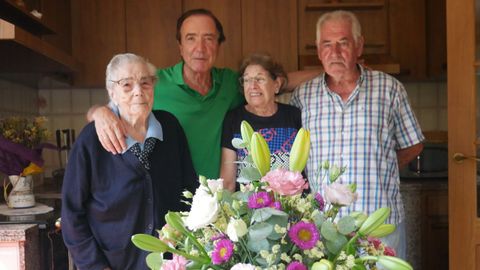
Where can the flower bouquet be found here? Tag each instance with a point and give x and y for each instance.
(21, 153)
(272, 222)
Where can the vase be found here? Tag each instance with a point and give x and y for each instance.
(21, 195)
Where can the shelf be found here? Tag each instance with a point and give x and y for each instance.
(22, 18)
(22, 52)
(344, 5)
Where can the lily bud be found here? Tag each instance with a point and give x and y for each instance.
(149, 243)
(260, 153)
(247, 131)
(203, 180)
(187, 194)
(383, 230)
(323, 264)
(394, 263)
(300, 150)
(359, 217)
(174, 220)
(374, 221)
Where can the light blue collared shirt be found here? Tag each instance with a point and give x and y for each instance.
(154, 130)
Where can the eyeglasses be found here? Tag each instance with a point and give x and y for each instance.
(250, 80)
(127, 84)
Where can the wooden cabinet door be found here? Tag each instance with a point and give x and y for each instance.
(271, 26)
(151, 29)
(98, 32)
(464, 224)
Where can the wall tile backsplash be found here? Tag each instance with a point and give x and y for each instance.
(66, 107)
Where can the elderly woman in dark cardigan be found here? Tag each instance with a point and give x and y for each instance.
(107, 198)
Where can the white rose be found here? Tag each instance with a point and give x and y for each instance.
(204, 210)
(236, 228)
(242, 266)
(215, 185)
(340, 194)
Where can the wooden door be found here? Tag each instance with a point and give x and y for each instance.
(464, 224)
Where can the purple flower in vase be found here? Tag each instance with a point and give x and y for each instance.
(304, 235)
(296, 266)
(223, 251)
(259, 200)
(320, 201)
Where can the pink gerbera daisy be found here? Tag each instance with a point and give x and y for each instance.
(304, 234)
(296, 266)
(223, 251)
(259, 200)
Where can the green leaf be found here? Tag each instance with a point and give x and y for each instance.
(238, 143)
(262, 214)
(329, 231)
(319, 219)
(359, 267)
(346, 225)
(260, 231)
(149, 243)
(336, 245)
(279, 220)
(256, 245)
(250, 173)
(154, 260)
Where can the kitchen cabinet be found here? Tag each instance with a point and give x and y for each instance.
(98, 32)
(403, 37)
(150, 29)
(435, 229)
(271, 26)
(101, 29)
(426, 219)
(29, 45)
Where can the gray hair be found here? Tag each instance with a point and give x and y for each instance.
(121, 59)
(340, 15)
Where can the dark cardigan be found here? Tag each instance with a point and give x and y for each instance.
(107, 198)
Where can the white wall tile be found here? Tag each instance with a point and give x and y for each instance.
(442, 94)
(428, 119)
(78, 123)
(98, 97)
(61, 101)
(412, 92)
(443, 119)
(44, 96)
(428, 93)
(80, 101)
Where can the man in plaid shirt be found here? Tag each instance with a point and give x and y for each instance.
(360, 119)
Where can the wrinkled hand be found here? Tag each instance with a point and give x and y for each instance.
(110, 130)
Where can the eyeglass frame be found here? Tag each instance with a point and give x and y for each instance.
(152, 77)
(251, 80)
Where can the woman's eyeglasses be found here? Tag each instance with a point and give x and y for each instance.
(127, 84)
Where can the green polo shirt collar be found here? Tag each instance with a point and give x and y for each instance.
(177, 77)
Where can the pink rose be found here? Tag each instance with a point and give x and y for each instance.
(176, 263)
(285, 182)
(339, 194)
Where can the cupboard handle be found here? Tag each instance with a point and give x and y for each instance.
(459, 157)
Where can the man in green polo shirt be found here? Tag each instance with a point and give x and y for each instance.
(197, 93)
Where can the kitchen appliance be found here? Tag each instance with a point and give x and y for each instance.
(65, 139)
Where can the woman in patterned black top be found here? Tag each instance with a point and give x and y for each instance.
(262, 79)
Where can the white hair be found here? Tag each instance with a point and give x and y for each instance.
(339, 15)
(117, 63)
